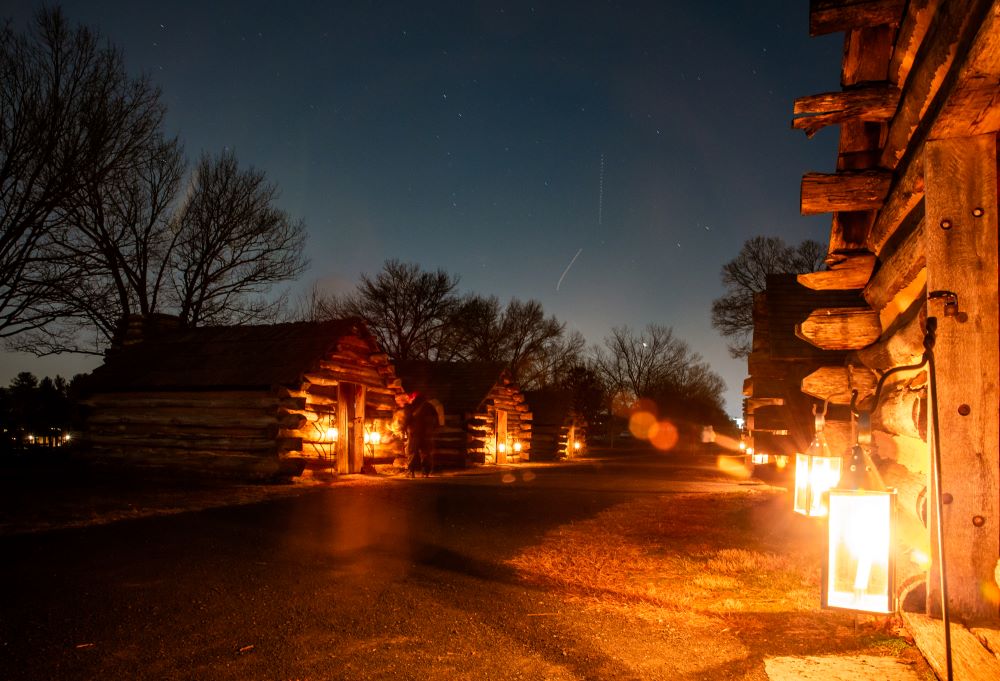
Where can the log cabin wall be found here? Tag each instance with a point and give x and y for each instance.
(486, 417)
(255, 401)
(557, 431)
(915, 190)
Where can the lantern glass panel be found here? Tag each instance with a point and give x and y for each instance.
(859, 565)
(816, 473)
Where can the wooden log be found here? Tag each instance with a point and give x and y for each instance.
(836, 383)
(840, 328)
(872, 103)
(971, 661)
(200, 400)
(847, 272)
(866, 55)
(929, 84)
(901, 345)
(222, 444)
(972, 106)
(755, 403)
(771, 419)
(909, 452)
(902, 411)
(961, 178)
(186, 418)
(898, 269)
(912, 29)
(849, 190)
(831, 16)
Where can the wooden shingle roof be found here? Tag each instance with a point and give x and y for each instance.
(459, 386)
(224, 357)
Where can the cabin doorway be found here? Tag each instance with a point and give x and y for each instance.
(351, 414)
(500, 446)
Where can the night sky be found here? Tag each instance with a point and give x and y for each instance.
(499, 141)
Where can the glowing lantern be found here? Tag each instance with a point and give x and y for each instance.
(517, 447)
(758, 458)
(502, 448)
(576, 445)
(375, 437)
(332, 434)
(817, 471)
(859, 570)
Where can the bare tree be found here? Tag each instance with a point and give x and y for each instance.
(114, 249)
(746, 274)
(69, 115)
(232, 245)
(533, 346)
(407, 309)
(639, 363)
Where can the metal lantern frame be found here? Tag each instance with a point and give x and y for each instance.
(817, 471)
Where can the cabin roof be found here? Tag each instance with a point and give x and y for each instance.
(231, 357)
(459, 386)
(549, 405)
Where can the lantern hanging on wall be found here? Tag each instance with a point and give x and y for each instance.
(859, 570)
(817, 471)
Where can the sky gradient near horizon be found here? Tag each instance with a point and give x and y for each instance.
(603, 158)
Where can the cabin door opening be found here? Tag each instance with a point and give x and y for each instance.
(351, 414)
(500, 446)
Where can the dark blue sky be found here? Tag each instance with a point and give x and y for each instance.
(470, 136)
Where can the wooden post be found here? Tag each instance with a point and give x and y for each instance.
(961, 253)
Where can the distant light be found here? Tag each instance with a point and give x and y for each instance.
(517, 446)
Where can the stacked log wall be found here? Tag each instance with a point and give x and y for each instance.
(926, 183)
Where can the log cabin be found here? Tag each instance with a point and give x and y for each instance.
(486, 418)
(788, 316)
(915, 194)
(558, 430)
(252, 401)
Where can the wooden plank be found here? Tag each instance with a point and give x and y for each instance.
(850, 271)
(872, 103)
(904, 198)
(962, 258)
(866, 54)
(840, 328)
(971, 661)
(909, 37)
(930, 82)
(857, 190)
(836, 383)
(973, 105)
(831, 16)
(897, 271)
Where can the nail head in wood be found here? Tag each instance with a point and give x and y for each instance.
(978, 520)
(946, 224)
(964, 409)
(978, 212)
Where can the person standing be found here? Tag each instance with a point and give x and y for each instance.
(420, 420)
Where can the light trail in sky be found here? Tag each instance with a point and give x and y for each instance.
(600, 195)
(565, 271)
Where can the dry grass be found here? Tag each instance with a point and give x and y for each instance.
(679, 552)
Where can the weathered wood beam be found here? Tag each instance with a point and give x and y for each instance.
(911, 34)
(973, 105)
(904, 197)
(840, 328)
(830, 16)
(771, 419)
(901, 345)
(961, 247)
(971, 661)
(897, 271)
(866, 54)
(857, 190)
(847, 271)
(932, 78)
(872, 103)
(836, 383)
(755, 403)
(902, 411)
